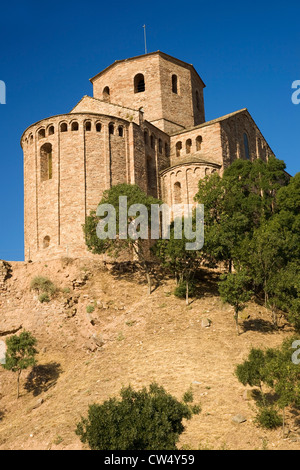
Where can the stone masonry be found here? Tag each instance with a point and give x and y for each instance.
(145, 125)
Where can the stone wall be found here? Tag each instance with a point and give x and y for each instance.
(202, 142)
(180, 183)
(162, 106)
(233, 130)
(155, 137)
(86, 158)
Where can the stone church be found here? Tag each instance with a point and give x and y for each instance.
(144, 125)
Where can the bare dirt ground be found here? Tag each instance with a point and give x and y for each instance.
(145, 339)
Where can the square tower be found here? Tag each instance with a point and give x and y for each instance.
(169, 91)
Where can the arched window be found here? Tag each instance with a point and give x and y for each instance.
(197, 100)
(198, 143)
(46, 242)
(139, 83)
(106, 93)
(98, 127)
(177, 193)
(121, 131)
(160, 145)
(64, 127)
(175, 84)
(46, 162)
(51, 130)
(188, 146)
(75, 126)
(178, 149)
(111, 129)
(88, 126)
(41, 134)
(246, 147)
(31, 139)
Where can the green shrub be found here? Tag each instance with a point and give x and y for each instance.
(43, 285)
(90, 309)
(144, 420)
(268, 418)
(180, 290)
(44, 298)
(66, 290)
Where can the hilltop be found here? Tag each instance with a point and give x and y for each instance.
(128, 338)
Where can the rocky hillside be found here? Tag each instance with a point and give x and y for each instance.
(126, 338)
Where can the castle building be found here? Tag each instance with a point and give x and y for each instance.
(144, 125)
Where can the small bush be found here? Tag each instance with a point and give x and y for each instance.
(268, 418)
(144, 420)
(66, 290)
(180, 290)
(43, 285)
(90, 309)
(66, 261)
(44, 298)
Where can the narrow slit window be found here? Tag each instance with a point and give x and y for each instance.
(46, 242)
(197, 100)
(106, 93)
(198, 143)
(146, 137)
(177, 193)
(46, 162)
(178, 149)
(246, 147)
(167, 150)
(152, 141)
(51, 130)
(175, 84)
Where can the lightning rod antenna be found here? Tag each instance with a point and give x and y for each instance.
(145, 38)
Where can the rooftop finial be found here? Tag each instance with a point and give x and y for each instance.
(145, 38)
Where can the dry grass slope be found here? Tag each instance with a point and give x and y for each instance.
(146, 339)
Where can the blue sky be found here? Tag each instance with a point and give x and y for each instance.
(247, 53)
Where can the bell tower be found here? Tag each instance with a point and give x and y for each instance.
(169, 91)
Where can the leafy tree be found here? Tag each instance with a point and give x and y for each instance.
(268, 417)
(182, 291)
(233, 290)
(20, 354)
(141, 420)
(266, 252)
(174, 256)
(284, 293)
(253, 371)
(271, 254)
(275, 369)
(288, 197)
(237, 203)
(114, 245)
